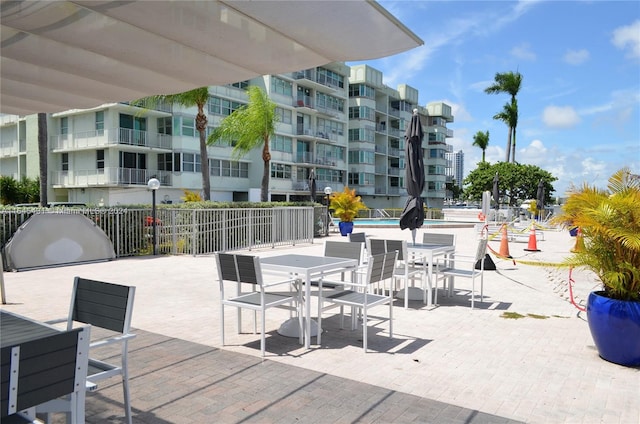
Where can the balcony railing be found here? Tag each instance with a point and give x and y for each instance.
(109, 137)
(109, 176)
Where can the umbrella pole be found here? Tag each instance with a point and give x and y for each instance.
(413, 235)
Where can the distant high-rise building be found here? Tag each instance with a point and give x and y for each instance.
(456, 171)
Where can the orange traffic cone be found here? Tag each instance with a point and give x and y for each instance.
(533, 242)
(579, 242)
(504, 243)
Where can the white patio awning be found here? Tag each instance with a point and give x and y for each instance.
(60, 55)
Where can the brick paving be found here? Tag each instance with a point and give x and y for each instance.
(180, 382)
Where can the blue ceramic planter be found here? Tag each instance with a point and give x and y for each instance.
(615, 328)
(346, 228)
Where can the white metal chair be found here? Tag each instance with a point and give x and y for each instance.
(110, 307)
(245, 269)
(464, 266)
(405, 270)
(361, 296)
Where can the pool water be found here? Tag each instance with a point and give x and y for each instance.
(390, 222)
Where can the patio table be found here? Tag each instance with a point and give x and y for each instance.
(17, 331)
(307, 267)
(427, 252)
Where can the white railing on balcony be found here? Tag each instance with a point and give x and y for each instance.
(109, 176)
(114, 136)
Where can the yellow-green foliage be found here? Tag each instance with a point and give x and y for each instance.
(191, 196)
(610, 223)
(346, 204)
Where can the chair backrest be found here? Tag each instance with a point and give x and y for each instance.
(376, 246)
(341, 249)
(397, 245)
(381, 267)
(239, 268)
(437, 238)
(358, 237)
(37, 371)
(101, 304)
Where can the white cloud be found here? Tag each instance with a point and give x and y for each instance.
(628, 37)
(560, 117)
(576, 57)
(523, 51)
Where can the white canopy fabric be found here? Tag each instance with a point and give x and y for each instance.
(60, 55)
(57, 239)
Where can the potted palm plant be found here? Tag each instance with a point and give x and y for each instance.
(346, 206)
(610, 224)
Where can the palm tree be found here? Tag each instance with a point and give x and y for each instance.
(510, 83)
(196, 97)
(481, 139)
(509, 116)
(249, 127)
(42, 153)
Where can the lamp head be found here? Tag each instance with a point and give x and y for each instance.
(153, 184)
(327, 191)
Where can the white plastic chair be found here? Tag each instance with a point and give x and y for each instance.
(244, 269)
(360, 296)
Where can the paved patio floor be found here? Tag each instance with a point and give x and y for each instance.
(445, 364)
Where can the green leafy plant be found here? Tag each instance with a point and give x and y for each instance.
(610, 224)
(346, 204)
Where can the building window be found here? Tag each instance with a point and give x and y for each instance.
(280, 86)
(361, 90)
(284, 115)
(226, 168)
(100, 159)
(100, 123)
(324, 101)
(328, 126)
(223, 107)
(188, 126)
(164, 126)
(191, 162)
(65, 161)
(281, 143)
(243, 85)
(165, 162)
(280, 171)
(362, 157)
(64, 126)
(330, 78)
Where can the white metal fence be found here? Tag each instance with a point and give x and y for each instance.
(190, 231)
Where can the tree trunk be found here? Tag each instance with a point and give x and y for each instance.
(266, 158)
(513, 147)
(508, 153)
(42, 153)
(201, 126)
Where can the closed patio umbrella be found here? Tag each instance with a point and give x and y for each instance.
(540, 199)
(312, 185)
(413, 214)
(496, 193)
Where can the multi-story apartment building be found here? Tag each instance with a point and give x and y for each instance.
(343, 124)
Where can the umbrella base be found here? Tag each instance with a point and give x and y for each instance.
(290, 328)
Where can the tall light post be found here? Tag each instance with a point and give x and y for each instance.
(153, 184)
(327, 192)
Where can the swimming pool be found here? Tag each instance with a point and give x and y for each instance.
(363, 223)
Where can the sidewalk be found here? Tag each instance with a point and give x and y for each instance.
(445, 364)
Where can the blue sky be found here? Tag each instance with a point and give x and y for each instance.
(579, 104)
